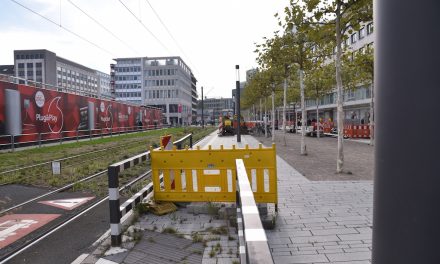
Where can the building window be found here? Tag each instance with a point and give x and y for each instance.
(369, 28)
(21, 65)
(362, 33)
(30, 65)
(353, 38)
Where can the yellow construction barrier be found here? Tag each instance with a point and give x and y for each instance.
(208, 175)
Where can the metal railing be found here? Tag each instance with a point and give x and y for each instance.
(13, 141)
(253, 246)
(117, 211)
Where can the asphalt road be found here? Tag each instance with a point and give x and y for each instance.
(65, 245)
(14, 194)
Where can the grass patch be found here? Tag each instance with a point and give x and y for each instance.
(222, 230)
(169, 230)
(196, 237)
(117, 148)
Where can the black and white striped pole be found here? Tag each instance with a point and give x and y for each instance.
(115, 213)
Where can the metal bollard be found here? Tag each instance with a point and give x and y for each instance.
(77, 135)
(90, 134)
(61, 138)
(111, 132)
(191, 140)
(101, 134)
(39, 140)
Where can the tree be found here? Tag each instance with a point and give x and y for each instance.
(339, 17)
(298, 48)
(364, 64)
(320, 80)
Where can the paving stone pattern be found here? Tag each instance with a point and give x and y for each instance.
(320, 163)
(224, 246)
(326, 220)
(158, 248)
(319, 221)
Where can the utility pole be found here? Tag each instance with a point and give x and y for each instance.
(203, 119)
(237, 101)
(406, 183)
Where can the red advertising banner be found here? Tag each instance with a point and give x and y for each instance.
(27, 111)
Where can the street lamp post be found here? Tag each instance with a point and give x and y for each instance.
(203, 120)
(237, 103)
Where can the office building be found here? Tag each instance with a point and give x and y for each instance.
(43, 66)
(164, 82)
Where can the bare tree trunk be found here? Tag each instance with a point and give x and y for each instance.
(284, 110)
(372, 114)
(273, 115)
(304, 115)
(261, 112)
(317, 117)
(265, 117)
(339, 100)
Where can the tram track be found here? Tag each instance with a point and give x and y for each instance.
(35, 238)
(60, 225)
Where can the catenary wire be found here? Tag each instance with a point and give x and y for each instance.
(171, 35)
(102, 26)
(145, 27)
(66, 29)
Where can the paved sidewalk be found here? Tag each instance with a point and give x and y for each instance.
(320, 163)
(318, 221)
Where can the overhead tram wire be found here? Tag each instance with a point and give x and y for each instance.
(102, 26)
(145, 27)
(171, 35)
(66, 29)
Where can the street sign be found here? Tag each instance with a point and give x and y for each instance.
(56, 168)
(166, 142)
(68, 204)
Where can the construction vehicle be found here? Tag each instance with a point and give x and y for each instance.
(228, 126)
(225, 126)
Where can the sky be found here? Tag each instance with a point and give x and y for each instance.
(212, 36)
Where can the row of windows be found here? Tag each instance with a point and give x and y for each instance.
(128, 78)
(169, 82)
(77, 77)
(359, 34)
(78, 80)
(128, 94)
(128, 69)
(64, 79)
(161, 72)
(29, 65)
(76, 87)
(359, 93)
(158, 94)
(29, 56)
(128, 86)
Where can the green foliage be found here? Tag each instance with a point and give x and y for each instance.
(169, 230)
